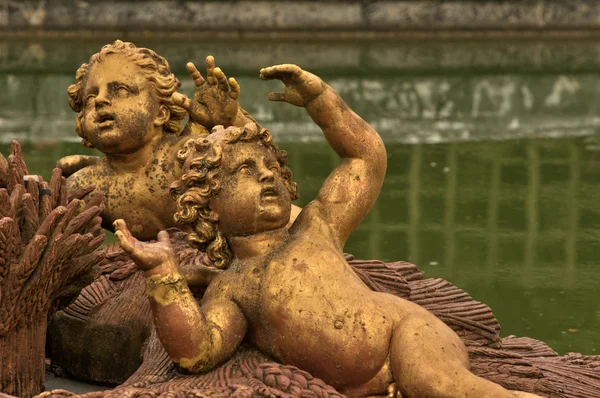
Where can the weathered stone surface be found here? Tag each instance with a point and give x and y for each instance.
(275, 15)
(231, 17)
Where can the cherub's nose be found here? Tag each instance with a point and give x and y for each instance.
(101, 100)
(266, 175)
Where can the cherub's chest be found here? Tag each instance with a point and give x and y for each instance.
(298, 276)
(141, 200)
(133, 187)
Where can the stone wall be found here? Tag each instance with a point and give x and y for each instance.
(228, 17)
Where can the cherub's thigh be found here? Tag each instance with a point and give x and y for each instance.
(429, 360)
(421, 340)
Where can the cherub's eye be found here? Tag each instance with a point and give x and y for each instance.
(274, 168)
(89, 99)
(243, 168)
(123, 92)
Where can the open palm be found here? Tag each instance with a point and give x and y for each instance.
(145, 255)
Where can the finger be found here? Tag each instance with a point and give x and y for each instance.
(235, 88)
(277, 97)
(210, 70)
(181, 100)
(163, 236)
(126, 236)
(280, 71)
(120, 225)
(221, 79)
(195, 74)
(125, 243)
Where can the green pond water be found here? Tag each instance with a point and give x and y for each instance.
(493, 178)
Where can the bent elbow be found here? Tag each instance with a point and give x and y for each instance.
(379, 159)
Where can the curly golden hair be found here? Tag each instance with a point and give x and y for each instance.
(196, 187)
(154, 67)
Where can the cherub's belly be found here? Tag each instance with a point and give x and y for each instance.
(328, 323)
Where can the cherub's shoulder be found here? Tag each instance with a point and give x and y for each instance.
(182, 139)
(171, 145)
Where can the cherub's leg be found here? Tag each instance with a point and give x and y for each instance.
(429, 360)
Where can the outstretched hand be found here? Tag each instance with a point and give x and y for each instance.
(301, 86)
(145, 255)
(215, 100)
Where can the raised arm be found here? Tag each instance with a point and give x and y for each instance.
(352, 188)
(197, 338)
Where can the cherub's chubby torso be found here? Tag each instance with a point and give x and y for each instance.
(306, 307)
(139, 196)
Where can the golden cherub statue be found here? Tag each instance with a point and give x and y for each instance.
(290, 292)
(129, 109)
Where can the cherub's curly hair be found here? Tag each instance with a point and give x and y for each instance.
(196, 187)
(154, 67)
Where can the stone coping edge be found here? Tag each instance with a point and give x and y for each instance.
(335, 17)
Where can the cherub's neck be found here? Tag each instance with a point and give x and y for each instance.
(130, 162)
(251, 247)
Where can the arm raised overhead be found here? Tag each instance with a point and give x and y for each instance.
(353, 187)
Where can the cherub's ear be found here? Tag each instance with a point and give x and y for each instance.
(164, 114)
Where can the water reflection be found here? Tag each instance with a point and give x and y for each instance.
(506, 222)
(513, 222)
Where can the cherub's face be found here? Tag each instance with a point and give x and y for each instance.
(253, 197)
(120, 106)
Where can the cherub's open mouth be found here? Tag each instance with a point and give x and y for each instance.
(269, 192)
(105, 119)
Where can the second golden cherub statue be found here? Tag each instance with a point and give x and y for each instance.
(129, 109)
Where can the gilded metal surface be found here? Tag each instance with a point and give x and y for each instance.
(290, 292)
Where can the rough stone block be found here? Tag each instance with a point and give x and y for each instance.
(276, 15)
(402, 15)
